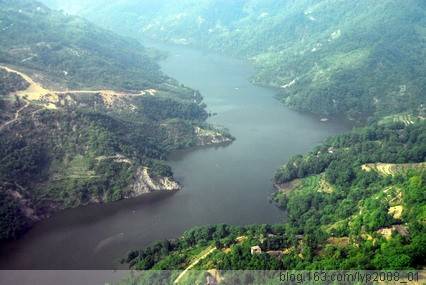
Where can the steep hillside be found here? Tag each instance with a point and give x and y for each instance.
(86, 117)
(326, 57)
(342, 213)
(71, 51)
(358, 200)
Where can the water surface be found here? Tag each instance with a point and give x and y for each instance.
(221, 184)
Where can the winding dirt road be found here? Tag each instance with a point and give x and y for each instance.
(207, 253)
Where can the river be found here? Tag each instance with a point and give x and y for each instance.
(228, 184)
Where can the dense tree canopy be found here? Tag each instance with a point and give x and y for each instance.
(65, 149)
(325, 57)
(340, 215)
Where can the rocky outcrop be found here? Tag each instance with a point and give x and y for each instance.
(145, 183)
(211, 136)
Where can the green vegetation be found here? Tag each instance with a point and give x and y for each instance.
(345, 210)
(66, 149)
(71, 51)
(13, 222)
(11, 82)
(350, 202)
(325, 57)
(86, 151)
(341, 214)
(341, 157)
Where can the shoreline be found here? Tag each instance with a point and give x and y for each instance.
(38, 218)
(210, 199)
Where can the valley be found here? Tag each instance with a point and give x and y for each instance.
(212, 135)
(216, 181)
(324, 57)
(39, 100)
(67, 141)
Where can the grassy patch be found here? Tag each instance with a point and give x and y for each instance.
(404, 118)
(392, 169)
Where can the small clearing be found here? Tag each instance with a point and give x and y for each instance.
(406, 119)
(387, 169)
(241, 239)
(396, 211)
(339, 241)
(324, 186)
(35, 92)
(289, 186)
(387, 232)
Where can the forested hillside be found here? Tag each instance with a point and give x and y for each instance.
(86, 116)
(358, 200)
(71, 51)
(326, 57)
(343, 213)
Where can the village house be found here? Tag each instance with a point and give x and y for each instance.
(256, 250)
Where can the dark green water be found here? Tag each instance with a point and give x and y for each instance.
(222, 185)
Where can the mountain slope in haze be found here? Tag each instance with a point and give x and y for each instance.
(72, 51)
(355, 202)
(86, 116)
(326, 57)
